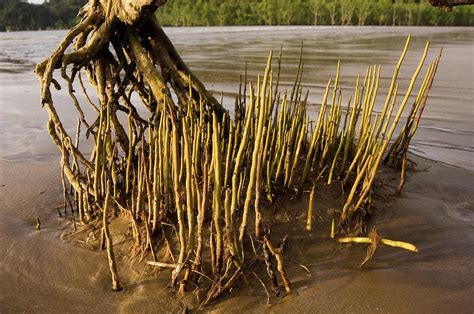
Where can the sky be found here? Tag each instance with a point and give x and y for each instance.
(36, 1)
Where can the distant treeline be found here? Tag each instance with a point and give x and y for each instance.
(19, 15)
(58, 14)
(310, 12)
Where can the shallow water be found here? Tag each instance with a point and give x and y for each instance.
(218, 56)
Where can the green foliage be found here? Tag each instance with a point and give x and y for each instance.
(19, 15)
(310, 12)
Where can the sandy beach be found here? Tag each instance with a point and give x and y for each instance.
(43, 273)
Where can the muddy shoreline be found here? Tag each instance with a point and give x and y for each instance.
(40, 272)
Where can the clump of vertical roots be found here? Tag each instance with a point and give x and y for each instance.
(181, 162)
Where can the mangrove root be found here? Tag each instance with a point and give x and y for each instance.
(167, 156)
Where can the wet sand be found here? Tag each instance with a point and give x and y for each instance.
(40, 272)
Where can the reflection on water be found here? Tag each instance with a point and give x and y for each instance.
(218, 56)
(12, 65)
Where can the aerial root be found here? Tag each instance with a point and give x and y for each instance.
(166, 155)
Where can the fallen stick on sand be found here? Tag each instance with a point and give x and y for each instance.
(403, 245)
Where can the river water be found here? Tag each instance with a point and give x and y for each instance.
(218, 55)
